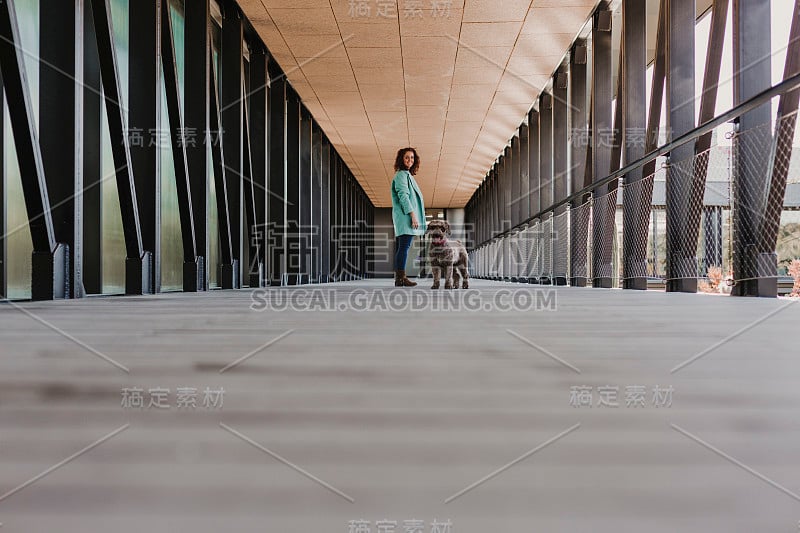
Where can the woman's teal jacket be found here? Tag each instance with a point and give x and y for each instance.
(406, 197)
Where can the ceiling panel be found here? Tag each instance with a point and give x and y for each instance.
(454, 82)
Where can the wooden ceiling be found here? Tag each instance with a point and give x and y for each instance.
(454, 78)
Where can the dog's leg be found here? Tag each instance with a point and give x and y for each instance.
(437, 273)
(448, 276)
(464, 275)
(456, 278)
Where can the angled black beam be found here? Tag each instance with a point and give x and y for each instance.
(144, 102)
(602, 213)
(49, 262)
(681, 254)
(193, 266)
(231, 112)
(657, 89)
(276, 225)
(560, 177)
(631, 101)
(781, 150)
(138, 264)
(253, 243)
(579, 178)
(60, 125)
(196, 119)
(259, 95)
(708, 100)
(229, 266)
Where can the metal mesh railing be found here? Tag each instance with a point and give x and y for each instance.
(560, 236)
(728, 216)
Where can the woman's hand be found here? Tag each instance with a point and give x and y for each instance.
(414, 220)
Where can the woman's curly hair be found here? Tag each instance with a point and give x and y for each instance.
(400, 165)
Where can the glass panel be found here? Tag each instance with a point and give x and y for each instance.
(171, 243)
(213, 259)
(113, 239)
(19, 246)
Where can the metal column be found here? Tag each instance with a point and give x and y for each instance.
(601, 127)
(579, 138)
(60, 126)
(632, 101)
(196, 119)
(560, 178)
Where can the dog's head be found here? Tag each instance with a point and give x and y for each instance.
(438, 230)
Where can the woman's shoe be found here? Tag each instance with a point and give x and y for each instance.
(398, 280)
(403, 281)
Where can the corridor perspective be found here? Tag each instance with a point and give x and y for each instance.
(591, 211)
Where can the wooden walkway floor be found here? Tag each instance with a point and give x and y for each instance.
(390, 413)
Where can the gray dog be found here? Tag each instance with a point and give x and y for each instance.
(448, 255)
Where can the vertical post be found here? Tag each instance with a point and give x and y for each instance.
(325, 212)
(49, 259)
(3, 225)
(601, 127)
(535, 189)
(196, 105)
(317, 202)
(292, 180)
(579, 138)
(144, 86)
(91, 160)
(681, 254)
(514, 237)
(252, 235)
(546, 185)
(515, 181)
(336, 195)
(636, 207)
(524, 174)
(259, 89)
(560, 178)
(781, 148)
(304, 183)
(229, 267)
(231, 110)
(60, 127)
(276, 226)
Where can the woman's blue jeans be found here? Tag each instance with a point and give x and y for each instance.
(401, 246)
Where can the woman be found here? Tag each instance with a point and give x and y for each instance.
(408, 211)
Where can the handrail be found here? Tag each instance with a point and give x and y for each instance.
(758, 100)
